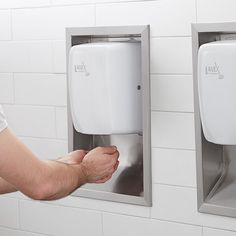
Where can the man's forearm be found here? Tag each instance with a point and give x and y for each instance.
(59, 180)
(6, 187)
(35, 178)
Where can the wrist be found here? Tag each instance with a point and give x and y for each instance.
(82, 174)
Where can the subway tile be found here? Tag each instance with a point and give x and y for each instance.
(173, 130)
(166, 17)
(216, 11)
(12, 232)
(59, 56)
(23, 3)
(172, 93)
(171, 55)
(26, 56)
(175, 204)
(6, 88)
(73, 16)
(9, 212)
(61, 122)
(179, 204)
(32, 24)
(104, 206)
(40, 89)
(117, 225)
(46, 148)
(217, 232)
(31, 121)
(168, 166)
(5, 25)
(58, 221)
(50, 23)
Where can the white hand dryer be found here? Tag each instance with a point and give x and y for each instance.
(105, 87)
(217, 91)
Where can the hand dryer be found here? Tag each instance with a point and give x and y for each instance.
(105, 88)
(217, 91)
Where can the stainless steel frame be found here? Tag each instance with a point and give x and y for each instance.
(216, 164)
(132, 181)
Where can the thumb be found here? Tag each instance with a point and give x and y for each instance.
(77, 156)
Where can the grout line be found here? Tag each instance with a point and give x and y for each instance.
(23, 231)
(18, 214)
(34, 105)
(175, 185)
(43, 138)
(222, 229)
(32, 73)
(177, 222)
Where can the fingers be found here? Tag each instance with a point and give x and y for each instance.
(107, 150)
(103, 180)
(116, 165)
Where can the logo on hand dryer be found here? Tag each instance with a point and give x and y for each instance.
(214, 70)
(81, 68)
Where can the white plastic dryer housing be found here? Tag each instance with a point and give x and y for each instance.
(105, 87)
(217, 91)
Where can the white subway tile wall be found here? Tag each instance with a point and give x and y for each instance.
(33, 93)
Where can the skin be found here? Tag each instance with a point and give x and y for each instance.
(21, 170)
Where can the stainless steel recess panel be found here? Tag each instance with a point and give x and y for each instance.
(216, 164)
(131, 183)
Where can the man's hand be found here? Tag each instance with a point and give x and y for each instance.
(99, 164)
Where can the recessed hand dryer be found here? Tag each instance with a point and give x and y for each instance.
(105, 87)
(217, 91)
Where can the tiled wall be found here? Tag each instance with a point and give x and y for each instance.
(32, 89)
